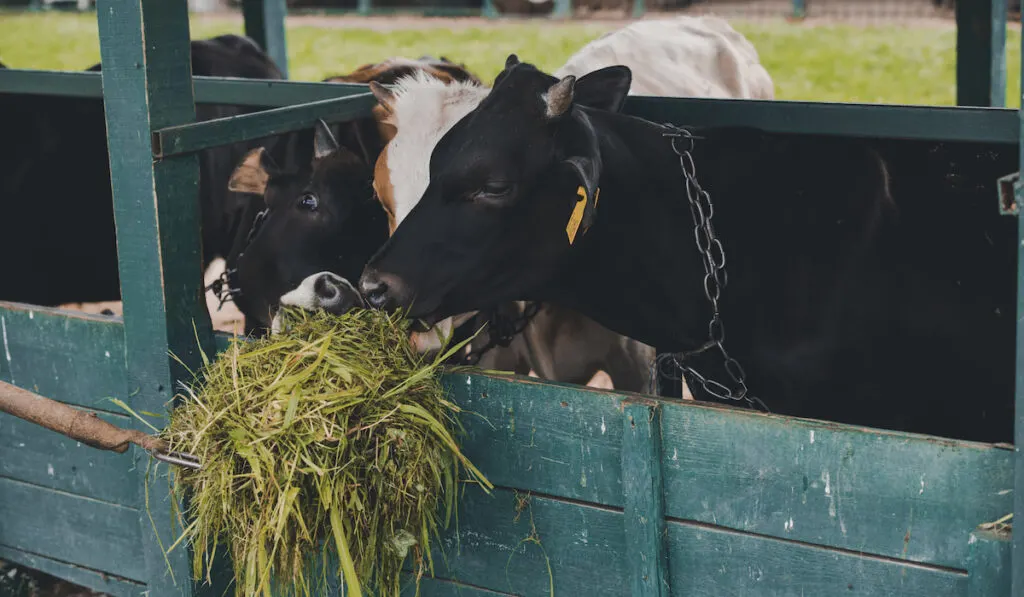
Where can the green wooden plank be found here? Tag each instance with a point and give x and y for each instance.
(887, 493)
(46, 458)
(548, 438)
(1018, 433)
(264, 22)
(190, 138)
(72, 529)
(644, 513)
(988, 566)
(84, 577)
(492, 549)
(981, 53)
(928, 123)
(710, 562)
(71, 357)
(431, 587)
(208, 90)
(144, 48)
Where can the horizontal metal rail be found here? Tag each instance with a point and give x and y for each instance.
(984, 125)
(927, 123)
(208, 90)
(197, 136)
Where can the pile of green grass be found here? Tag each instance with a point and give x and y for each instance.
(331, 439)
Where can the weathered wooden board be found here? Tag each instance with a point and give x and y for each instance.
(74, 358)
(85, 577)
(709, 562)
(73, 529)
(989, 565)
(430, 587)
(891, 494)
(744, 471)
(48, 459)
(553, 439)
(492, 549)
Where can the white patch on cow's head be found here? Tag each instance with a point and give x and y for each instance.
(424, 109)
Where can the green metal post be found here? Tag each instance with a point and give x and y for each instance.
(264, 22)
(562, 9)
(1018, 469)
(639, 8)
(147, 83)
(364, 7)
(799, 9)
(488, 9)
(981, 53)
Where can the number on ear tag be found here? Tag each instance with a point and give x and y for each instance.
(577, 215)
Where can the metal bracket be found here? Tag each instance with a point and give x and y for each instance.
(1011, 194)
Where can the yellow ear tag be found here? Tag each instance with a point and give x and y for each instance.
(577, 215)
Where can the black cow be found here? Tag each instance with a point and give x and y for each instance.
(319, 212)
(831, 303)
(57, 225)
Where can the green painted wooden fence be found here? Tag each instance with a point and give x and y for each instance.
(598, 493)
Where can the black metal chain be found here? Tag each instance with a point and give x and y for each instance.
(221, 287)
(501, 330)
(715, 280)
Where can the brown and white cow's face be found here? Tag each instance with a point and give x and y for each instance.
(503, 182)
(419, 109)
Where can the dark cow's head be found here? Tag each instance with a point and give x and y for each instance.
(513, 186)
(321, 218)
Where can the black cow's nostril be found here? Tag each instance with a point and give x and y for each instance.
(325, 288)
(374, 289)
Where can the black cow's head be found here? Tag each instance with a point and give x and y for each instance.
(513, 187)
(320, 218)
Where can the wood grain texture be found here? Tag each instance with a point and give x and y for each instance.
(989, 564)
(208, 90)
(41, 457)
(644, 512)
(85, 577)
(891, 494)
(147, 85)
(492, 548)
(190, 138)
(548, 438)
(73, 529)
(927, 123)
(718, 562)
(77, 359)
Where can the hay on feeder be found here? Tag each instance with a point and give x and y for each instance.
(332, 438)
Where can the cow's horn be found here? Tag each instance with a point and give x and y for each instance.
(558, 99)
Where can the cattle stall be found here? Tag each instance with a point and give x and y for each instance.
(598, 493)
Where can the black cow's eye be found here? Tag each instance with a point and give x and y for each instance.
(493, 190)
(309, 202)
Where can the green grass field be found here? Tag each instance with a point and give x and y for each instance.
(891, 64)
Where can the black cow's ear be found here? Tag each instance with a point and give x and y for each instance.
(511, 61)
(605, 88)
(253, 173)
(324, 143)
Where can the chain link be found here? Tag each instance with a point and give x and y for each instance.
(715, 280)
(501, 330)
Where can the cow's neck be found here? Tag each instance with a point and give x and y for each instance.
(637, 269)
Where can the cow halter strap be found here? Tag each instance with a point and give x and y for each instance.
(222, 286)
(715, 279)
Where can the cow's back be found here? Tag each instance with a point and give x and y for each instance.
(679, 57)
